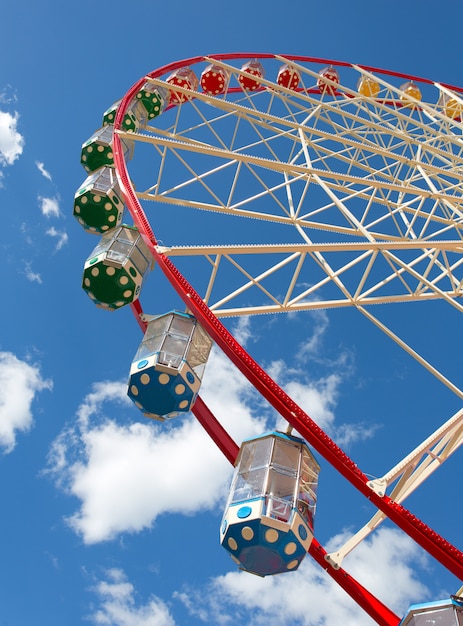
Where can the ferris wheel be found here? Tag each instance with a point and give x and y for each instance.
(312, 184)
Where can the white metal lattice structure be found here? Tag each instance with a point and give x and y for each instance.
(314, 198)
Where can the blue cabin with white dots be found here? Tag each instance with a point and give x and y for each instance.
(267, 526)
(168, 367)
(447, 612)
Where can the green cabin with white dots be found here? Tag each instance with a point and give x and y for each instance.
(97, 151)
(98, 204)
(153, 99)
(115, 270)
(134, 119)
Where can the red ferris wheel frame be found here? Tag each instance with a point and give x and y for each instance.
(444, 552)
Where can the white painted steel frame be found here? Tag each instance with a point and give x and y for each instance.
(391, 175)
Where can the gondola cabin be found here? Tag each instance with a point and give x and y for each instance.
(134, 119)
(183, 77)
(214, 80)
(166, 372)
(253, 71)
(114, 272)
(441, 613)
(153, 99)
(452, 107)
(411, 94)
(368, 87)
(268, 522)
(97, 151)
(288, 77)
(98, 204)
(328, 80)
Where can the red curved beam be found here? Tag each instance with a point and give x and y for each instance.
(170, 67)
(366, 600)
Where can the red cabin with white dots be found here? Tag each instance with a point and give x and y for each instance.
(288, 77)
(214, 80)
(253, 70)
(183, 77)
(328, 80)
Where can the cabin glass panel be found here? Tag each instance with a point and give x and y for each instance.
(199, 350)
(173, 350)
(152, 340)
(281, 490)
(281, 485)
(104, 134)
(286, 456)
(181, 325)
(103, 244)
(123, 244)
(256, 454)
(248, 485)
(157, 327)
(308, 482)
(102, 179)
(176, 340)
(250, 477)
(139, 260)
(119, 251)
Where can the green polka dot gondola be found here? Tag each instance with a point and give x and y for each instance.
(154, 99)
(99, 207)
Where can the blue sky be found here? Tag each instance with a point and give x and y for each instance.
(108, 518)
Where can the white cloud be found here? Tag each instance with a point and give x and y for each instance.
(19, 384)
(117, 604)
(11, 141)
(133, 474)
(319, 400)
(318, 397)
(49, 206)
(32, 276)
(42, 170)
(8, 95)
(320, 325)
(232, 399)
(125, 476)
(61, 236)
(242, 331)
(386, 564)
